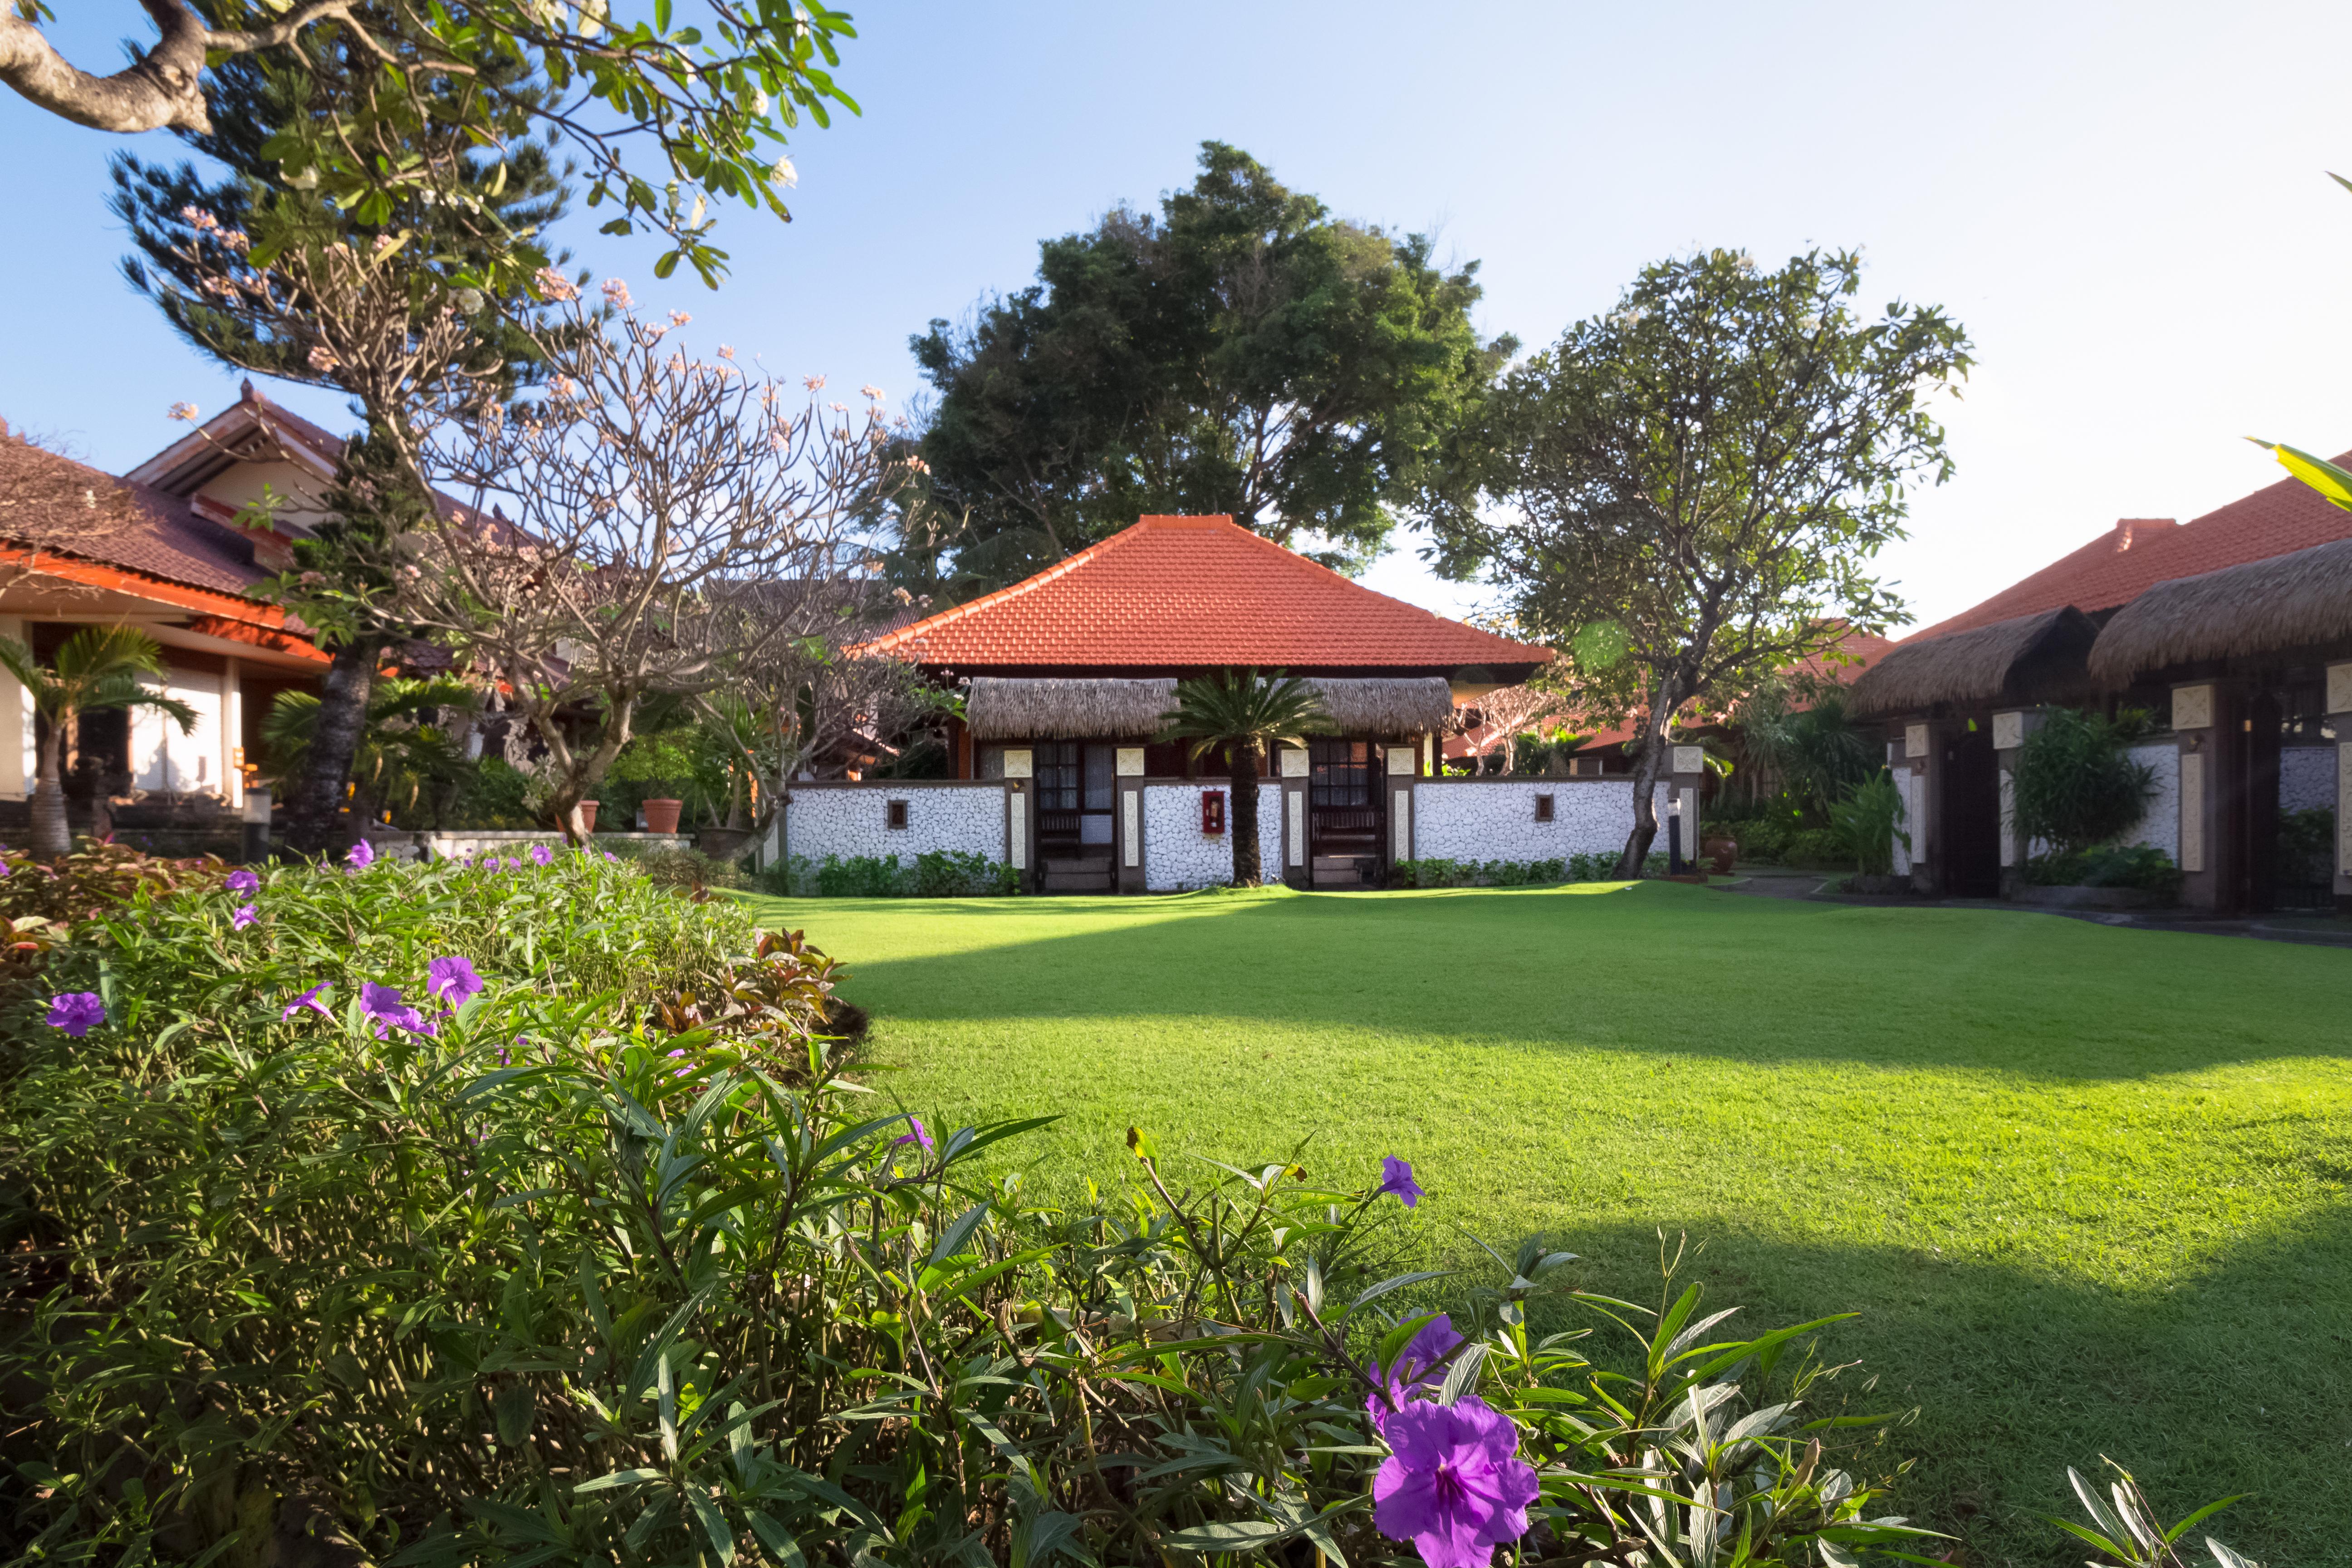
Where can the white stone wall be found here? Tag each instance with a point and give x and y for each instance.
(2161, 825)
(852, 822)
(164, 760)
(2306, 777)
(1463, 820)
(18, 762)
(1913, 788)
(1177, 855)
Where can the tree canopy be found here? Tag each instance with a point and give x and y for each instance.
(1241, 351)
(1685, 494)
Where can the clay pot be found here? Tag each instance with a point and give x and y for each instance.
(661, 815)
(588, 816)
(1721, 851)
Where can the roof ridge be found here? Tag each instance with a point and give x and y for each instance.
(1035, 579)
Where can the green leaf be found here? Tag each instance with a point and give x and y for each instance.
(605, 1483)
(714, 1525)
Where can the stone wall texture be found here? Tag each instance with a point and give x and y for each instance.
(1177, 855)
(1465, 820)
(2306, 777)
(2161, 825)
(968, 819)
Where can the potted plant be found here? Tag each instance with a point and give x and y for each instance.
(661, 815)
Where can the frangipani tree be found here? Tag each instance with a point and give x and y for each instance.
(97, 669)
(1247, 713)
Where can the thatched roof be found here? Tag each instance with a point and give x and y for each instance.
(1386, 705)
(1049, 709)
(2290, 601)
(2021, 659)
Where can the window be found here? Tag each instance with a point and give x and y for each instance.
(1339, 772)
(1543, 808)
(894, 814)
(1102, 777)
(1057, 775)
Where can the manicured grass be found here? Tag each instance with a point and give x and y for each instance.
(2086, 1186)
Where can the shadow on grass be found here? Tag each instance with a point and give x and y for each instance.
(1657, 968)
(2234, 1380)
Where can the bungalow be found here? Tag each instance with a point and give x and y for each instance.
(159, 548)
(2234, 630)
(1067, 675)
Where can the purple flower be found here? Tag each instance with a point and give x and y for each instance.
(387, 1012)
(361, 856)
(512, 864)
(612, 858)
(1415, 1369)
(307, 999)
(921, 1134)
(77, 1013)
(1396, 1177)
(452, 979)
(243, 881)
(1454, 1484)
(540, 855)
(245, 916)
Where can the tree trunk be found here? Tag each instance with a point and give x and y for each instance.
(343, 696)
(1247, 872)
(1646, 786)
(51, 837)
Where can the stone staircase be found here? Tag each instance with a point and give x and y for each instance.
(1345, 871)
(1085, 875)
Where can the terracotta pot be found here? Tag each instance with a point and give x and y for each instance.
(588, 816)
(661, 815)
(1722, 850)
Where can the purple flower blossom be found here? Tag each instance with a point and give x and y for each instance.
(452, 979)
(1454, 1484)
(540, 855)
(361, 856)
(387, 1012)
(245, 916)
(921, 1134)
(1396, 1178)
(307, 999)
(612, 858)
(242, 880)
(1415, 1369)
(77, 1013)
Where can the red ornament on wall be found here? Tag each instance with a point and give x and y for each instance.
(1212, 811)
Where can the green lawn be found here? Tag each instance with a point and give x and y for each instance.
(2086, 1186)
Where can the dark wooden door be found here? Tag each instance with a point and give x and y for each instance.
(1344, 814)
(1971, 816)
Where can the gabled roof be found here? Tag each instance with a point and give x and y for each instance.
(2139, 553)
(1195, 593)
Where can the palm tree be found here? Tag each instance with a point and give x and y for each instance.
(97, 668)
(1246, 713)
(399, 756)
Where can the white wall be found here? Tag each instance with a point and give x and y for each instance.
(1463, 820)
(2306, 777)
(19, 763)
(2161, 825)
(162, 758)
(1177, 855)
(850, 821)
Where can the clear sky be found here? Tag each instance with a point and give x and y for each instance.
(2127, 205)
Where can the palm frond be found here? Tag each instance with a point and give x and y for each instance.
(1244, 708)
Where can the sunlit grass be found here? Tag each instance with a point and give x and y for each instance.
(2085, 1186)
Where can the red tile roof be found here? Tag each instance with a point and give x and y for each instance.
(1181, 593)
(2139, 553)
(164, 536)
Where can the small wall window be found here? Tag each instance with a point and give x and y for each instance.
(894, 814)
(1543, 808)
(1212, 811)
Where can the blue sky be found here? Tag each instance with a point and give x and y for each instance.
(2127, 205)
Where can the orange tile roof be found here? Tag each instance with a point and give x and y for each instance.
(1185, 593)
(2139, 553)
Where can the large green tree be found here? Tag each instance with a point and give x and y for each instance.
(1686, 494)
(420, 251)
(666, 115)
(1241, 351)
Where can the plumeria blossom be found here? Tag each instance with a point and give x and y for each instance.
(872, 392)
(616, 294)
(242, 880)
(307, 999)
(1396, 1180)
(323, 360)
(783, 173)
(554, 286)
(453, 980)
(361, 856)
(919, 1135)
(77, 1013)
(246, 915)
(187, 411)
(679, 317)
(1453, 1484)
(1416, 1369)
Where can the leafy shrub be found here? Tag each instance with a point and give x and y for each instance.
(2076, 784)
(2141, 866)
(684, 867)
(2306, 844)
(1866, 822)
(493, 796)
(939, 874)
(1441, 873)
(97, 875)
(1815, 847)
